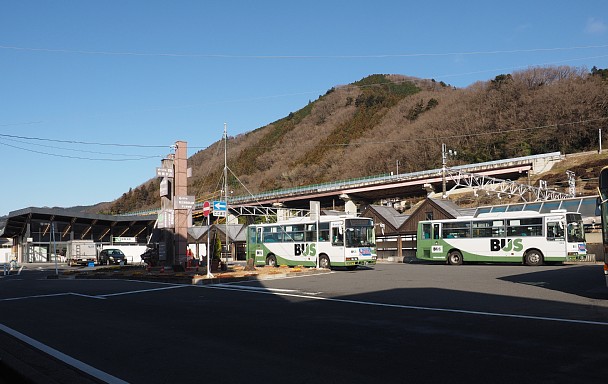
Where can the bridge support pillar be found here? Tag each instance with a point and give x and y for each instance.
(349, 205)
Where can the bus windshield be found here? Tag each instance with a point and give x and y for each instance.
(359, 233)
(576, 232)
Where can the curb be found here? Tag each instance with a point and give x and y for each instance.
(193, 280)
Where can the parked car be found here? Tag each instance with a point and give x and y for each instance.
(111, 256)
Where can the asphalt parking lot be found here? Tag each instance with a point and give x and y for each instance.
(391, 323)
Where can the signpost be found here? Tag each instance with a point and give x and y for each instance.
(124, 239)
(164, 172)
(183, 202)
(166, 219)
(206, 208)
(206, 212)
(219, 208)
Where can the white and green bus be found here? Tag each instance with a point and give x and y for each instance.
(603, 203)
(339, 241)
(513, 237)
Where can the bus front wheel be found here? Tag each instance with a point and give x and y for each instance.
(533, 258)
(455, 258)
(271, 261)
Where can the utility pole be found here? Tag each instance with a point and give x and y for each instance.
(443, 166)
(444, 161)
(226, 189)
(600, 140)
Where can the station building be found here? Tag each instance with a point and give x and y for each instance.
(38, 235)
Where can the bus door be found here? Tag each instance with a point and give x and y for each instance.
(424, 240)
(337, 241)
(254, 244)
(556, 239)
(436, 231)
(437, 249)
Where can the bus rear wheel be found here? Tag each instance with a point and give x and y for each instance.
(271, 261)
(324, 262)
(533, 258)
(455, 258)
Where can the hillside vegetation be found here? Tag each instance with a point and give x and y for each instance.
(365, 128)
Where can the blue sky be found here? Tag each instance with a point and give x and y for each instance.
(93, 93)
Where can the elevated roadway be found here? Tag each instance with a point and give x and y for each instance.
(371, 189)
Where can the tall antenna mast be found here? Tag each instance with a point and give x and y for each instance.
(226, 188)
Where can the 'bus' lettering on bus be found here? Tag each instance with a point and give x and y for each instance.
(506, 245)
(305, 249)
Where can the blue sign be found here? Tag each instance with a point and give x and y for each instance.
(219, 205)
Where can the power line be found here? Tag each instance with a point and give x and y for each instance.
(75, 150)
(76, 157)
(24, 123)
(84, 142)
(520, 67)
(226, 56)
(141, 157)
(439, 138)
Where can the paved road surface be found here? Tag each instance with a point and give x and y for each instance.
(395, 323)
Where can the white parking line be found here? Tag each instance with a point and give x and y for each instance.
(51, 295)
(248, 288)
(101, 296)
(142, 291)
(92, 371)
(399, 306)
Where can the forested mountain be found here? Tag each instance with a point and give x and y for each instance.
(365, 128)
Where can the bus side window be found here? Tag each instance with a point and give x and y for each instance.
(426, 231)
(324, 232)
